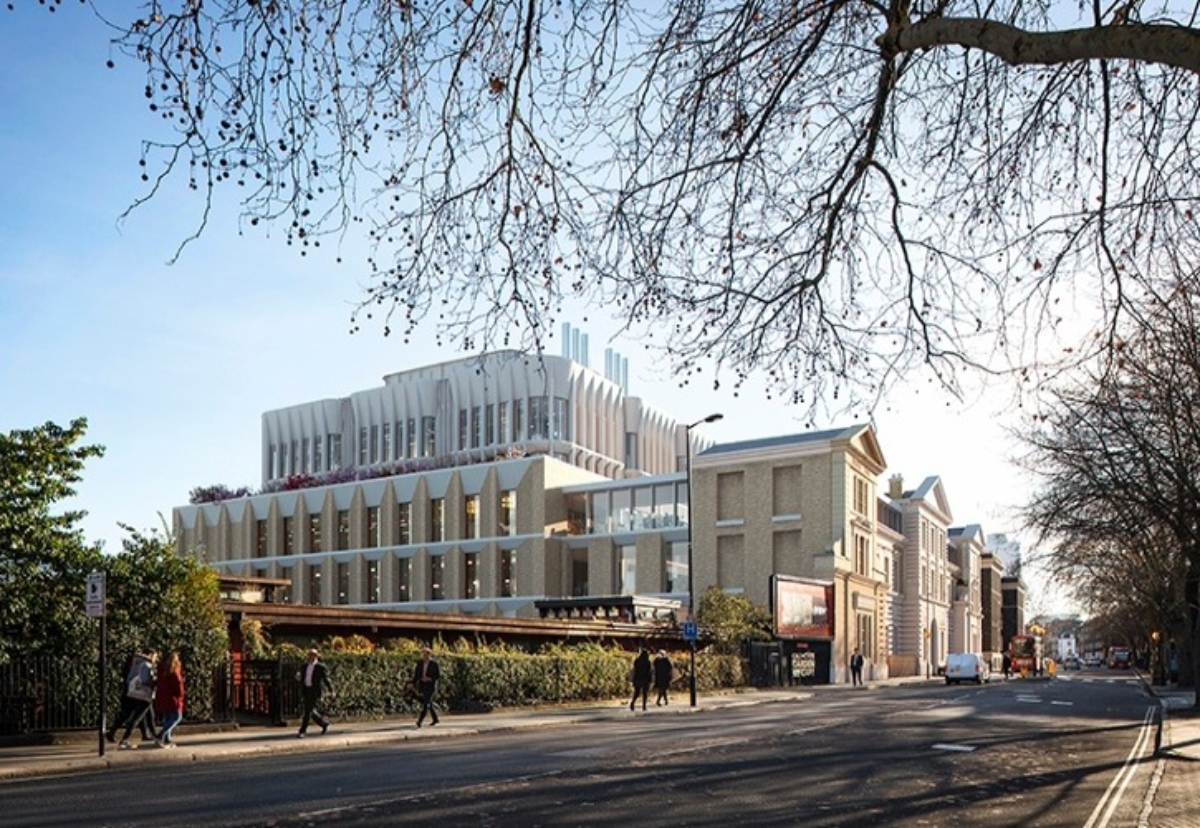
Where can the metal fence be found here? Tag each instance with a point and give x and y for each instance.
(49, 694)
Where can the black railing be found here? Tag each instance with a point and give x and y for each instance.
(49, 694)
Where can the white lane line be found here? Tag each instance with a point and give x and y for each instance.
(958, 748)
(1064, 703)
(1108, 803)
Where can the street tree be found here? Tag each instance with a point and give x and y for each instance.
(829, 195)
(728, 621)
(1117, 452)
(44, 559)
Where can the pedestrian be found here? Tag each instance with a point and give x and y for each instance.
(1006, 664)
(168, 698)
(642, 674)
(856, 665)
(127, 704)
(425, 680)
(314, 679)
(139, 689)
(663, 673)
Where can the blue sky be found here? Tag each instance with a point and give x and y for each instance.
(173, 364)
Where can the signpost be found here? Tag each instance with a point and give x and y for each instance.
(96, 608)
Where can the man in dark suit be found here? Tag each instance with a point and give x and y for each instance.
(425, 679)
(313, 679)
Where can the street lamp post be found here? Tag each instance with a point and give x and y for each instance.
(711, 418)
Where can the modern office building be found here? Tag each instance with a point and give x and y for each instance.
(485, 486)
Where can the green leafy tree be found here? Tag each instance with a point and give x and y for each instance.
(44, 560)
(162, 600)
(729, 620)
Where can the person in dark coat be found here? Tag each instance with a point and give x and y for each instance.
(425, 680)
(663, 673)
(313, 679)
(643, 673)
(130, 705)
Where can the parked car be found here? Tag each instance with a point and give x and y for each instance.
(1071, 663)
(962, 667)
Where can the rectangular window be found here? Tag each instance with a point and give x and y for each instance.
(471, 517)
(631, 450)
(319, 454)
(260, 539)
(785, 491)
(335, 452)
(343, 531)
(862, 500)
(476, 426)
(601, 521)
(489, 425)
(862, 554)
(404, 524)
(295, 464)
(314, 533)
(539, 418)
(397, 440)
(508, 573)
(463, 427)
(404, 579)
(314, 585)
(677, 567)
(628, 568)
(372, 581)
(622, 510)
(385, 448)
(518, 420)
(664, 506)
(274, 467)
(343, 583)
(579, 573)
(305, 449)
(508, 512)
(289, 536)
(428, 437)
(364, 437)
(412, 437)
(374, 444)
(373, 526)
(731, 504)
(643, 508)
(437, 520)
(560, 420)
(437, 578)
(470, 562)
(505, 437)
(577, 514)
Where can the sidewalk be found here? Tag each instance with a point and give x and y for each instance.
(1173, 801)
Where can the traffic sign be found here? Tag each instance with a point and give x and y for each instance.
(95, 595)
(691, 630)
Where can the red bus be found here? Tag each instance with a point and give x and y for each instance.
(1118, 658)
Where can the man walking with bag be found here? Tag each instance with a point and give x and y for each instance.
(425, 680)
(313, 679)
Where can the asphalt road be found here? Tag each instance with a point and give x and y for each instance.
(1023, 753)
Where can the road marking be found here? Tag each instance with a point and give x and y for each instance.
(958, 748)
(1108, 803)
(1030, 699)
(1063, 703)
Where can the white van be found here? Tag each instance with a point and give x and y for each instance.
(962, 667)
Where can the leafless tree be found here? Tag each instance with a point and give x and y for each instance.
(1118, 454)
(827, 194)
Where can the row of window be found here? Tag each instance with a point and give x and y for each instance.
(373, 536)
(373, 588)
(628, 509)
(676, 571)
(502, 423)
(310, 455)
(402, 440)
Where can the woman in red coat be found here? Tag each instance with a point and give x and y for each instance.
(168, 697)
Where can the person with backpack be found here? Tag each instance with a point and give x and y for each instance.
(139, 696)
